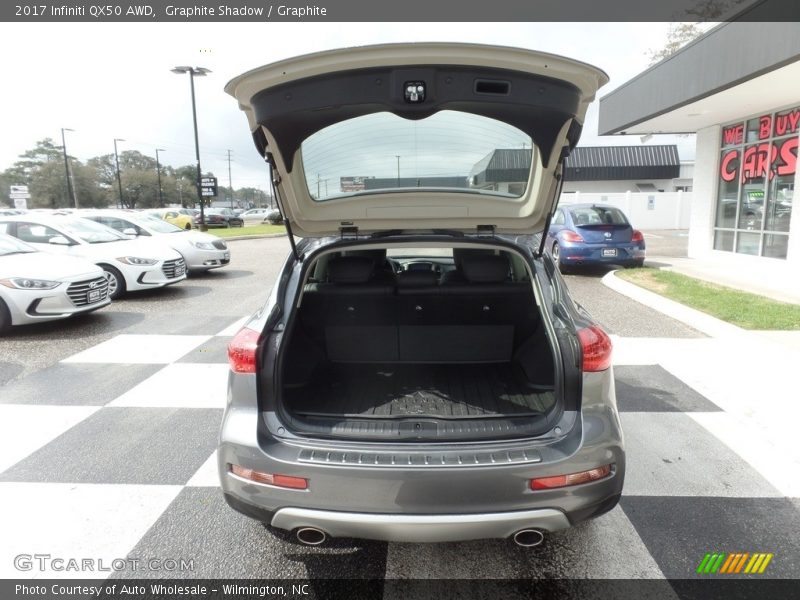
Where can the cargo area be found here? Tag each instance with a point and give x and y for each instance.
(445, 347)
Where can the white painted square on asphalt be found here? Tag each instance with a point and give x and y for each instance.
(26, 428)
(68, 520)
(180, 385)
(670, 454)
(234, 327)
(777, 460)
(207, 475)
(140, 349)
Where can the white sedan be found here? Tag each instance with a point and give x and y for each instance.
(201, 251)
(254, 216)
(129, 265)
(36, 286)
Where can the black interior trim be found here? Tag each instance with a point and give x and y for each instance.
(537, 105)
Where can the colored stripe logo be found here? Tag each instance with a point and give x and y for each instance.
(734, 563)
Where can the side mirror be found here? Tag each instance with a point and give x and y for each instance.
(129, 231)
(59, 240)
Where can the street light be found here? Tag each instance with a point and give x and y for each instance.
(70, 193)
(398, 169)
(158, 170)
(196, 72)
(119, 179)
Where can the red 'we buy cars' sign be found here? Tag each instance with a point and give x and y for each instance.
(767, 157)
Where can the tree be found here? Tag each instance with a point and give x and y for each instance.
(681, 33)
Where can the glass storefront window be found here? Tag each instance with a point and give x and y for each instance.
(747, 243)
(723, 240)
(756, 183)
(775, 245)
(728, 189)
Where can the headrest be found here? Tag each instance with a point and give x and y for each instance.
(487, 268)
(350, 269)
(409, 279)
(459, 254)
(378, 256)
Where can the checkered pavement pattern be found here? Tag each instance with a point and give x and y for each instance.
(111, 454)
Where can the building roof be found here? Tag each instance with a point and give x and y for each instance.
(591, 163)
(734, 70)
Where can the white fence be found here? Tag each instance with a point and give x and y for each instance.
(659, 210)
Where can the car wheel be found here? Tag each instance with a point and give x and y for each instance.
(116, 282)
(5, 318)
(188, 226)
(555, 252)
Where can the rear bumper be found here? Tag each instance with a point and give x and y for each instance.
(593, 253)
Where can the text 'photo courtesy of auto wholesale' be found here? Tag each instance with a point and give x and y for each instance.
(54, 264)
(419, 372)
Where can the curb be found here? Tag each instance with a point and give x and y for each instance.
(711, 326)
(256, 236)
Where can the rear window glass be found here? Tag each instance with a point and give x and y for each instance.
(448, 151)
(598, 215)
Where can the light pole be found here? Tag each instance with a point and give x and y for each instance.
(198, 72)
(70, 193)
(398, 169)
(158, 170)
(230, 183)
(119, 179)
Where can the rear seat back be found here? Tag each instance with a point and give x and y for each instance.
(480, 320)
(356, 313)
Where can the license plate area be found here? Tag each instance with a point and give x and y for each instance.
(180, 270)
(92, 296)
(609, 252)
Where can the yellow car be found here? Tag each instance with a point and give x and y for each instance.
(171, 215)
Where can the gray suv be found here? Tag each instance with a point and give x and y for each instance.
(419, 372)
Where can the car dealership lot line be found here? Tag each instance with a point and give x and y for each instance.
(704, 469)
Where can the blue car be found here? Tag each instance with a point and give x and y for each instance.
(591, 234)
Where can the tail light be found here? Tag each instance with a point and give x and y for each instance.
(285, 481)
(242, 351)
(571, 236)
(558, 481)
(596, 346)
(637, 236)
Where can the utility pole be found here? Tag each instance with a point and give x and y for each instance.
(70, 192)
(119, 178)
(398, 169)
(230, 185)
(158, 170)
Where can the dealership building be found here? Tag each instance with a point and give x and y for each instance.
(738, 88)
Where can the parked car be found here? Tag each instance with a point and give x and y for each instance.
(592, 234)
(220, 217)
(36, 287)
(254, 216)
(471, 401)
(173, 215)
(201, 251)
(129, 265)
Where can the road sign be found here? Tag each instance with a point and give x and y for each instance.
(18, 189)
(208, 186)
(20, 203)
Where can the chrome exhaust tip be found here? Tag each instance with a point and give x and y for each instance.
(528, 538)
(311, 536)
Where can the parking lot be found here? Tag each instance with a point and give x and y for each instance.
(108, 426)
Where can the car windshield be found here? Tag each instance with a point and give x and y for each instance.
(597, 215)
(9, 245)
(157, 225)
(91, 232)
(447, 151)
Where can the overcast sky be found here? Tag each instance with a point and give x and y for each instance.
(107, 80)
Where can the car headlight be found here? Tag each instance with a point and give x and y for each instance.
(202, 245)
(23, 283)
(135, 260)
